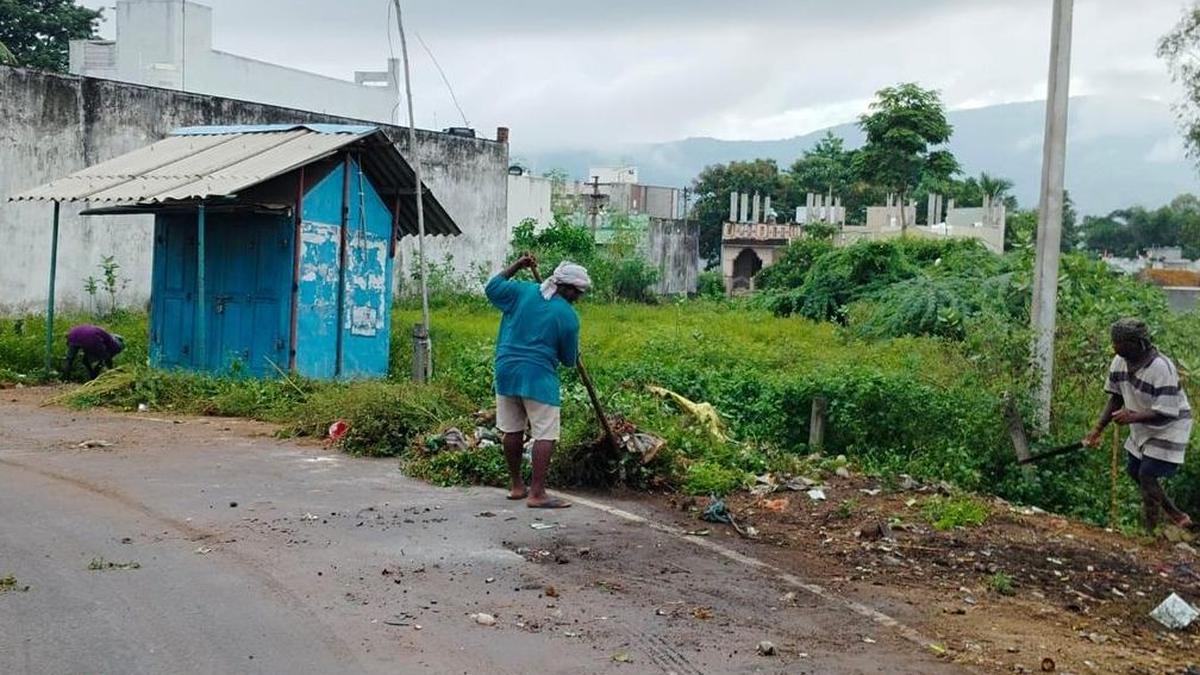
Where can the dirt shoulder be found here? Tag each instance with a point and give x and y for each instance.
(1025, 588)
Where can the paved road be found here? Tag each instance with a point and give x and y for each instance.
(265, 556)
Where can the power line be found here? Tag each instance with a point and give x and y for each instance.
(392, 57)
(444, 78)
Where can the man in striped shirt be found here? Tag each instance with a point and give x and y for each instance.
(1145, 394)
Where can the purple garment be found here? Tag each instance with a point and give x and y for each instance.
(94, 341)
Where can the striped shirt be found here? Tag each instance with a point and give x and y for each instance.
(1155, 387)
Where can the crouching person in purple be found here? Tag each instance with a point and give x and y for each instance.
(1146, 395)
(96, 346)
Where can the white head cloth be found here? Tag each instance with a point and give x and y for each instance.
(566, 273)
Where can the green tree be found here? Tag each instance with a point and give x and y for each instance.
(37, 33)
(998, 189)
(826, 168)
(6, 56)
(716, 182)
(560, 200)
(904, 125)
(1179, 48)
(1129, 231)
(1020, 228)
(1071, 235)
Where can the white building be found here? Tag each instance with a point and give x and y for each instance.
(168, 43)
(613, 174)
(529, 196)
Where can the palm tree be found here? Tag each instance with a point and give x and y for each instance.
(997, 189)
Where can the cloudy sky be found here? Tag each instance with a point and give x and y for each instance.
(566, 73)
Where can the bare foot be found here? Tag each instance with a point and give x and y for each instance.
(547, 502)
(518, 492)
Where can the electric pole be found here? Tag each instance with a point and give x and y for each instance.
(422, 354)
(1044, 308)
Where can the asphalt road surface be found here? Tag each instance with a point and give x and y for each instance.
(203, 545)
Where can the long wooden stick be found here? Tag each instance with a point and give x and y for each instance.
(1112, 478)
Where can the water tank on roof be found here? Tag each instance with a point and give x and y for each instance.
(465, 132)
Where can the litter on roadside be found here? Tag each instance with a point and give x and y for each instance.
(776, 505)
(96, 443)
(543, 526)
(484, 619)
(1175, 613)
(816, 494)
(337, 430)
(717, 512)
(704, 413)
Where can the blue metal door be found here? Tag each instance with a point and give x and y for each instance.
(251, 270)
(173, 304)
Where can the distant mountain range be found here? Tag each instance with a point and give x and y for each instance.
(1120, 152)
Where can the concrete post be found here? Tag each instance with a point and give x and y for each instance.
(929, 208)
(756, 209)
(816, 424)
(766, 206)
(1049, 234)
(733, 199)
(744, 212)
(421, 369)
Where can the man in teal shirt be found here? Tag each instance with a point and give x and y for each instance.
(539, 331)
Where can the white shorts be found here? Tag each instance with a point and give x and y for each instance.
(515, 415)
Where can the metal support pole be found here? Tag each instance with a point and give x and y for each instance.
(1049, 234)
(414, 155)
(201, 294)
(50, 300)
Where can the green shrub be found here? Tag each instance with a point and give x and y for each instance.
(933, 306)
(947, 513)
(474, 466)
(843, 275)
(790, 271)
(632, 280)
(711, 285)
(711, 478)
(1002, 583)
(385, 418)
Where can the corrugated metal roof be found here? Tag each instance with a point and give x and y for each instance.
(260, 128)
(197, 163)
(194, 167)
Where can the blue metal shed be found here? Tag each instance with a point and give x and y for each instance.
(273, 245)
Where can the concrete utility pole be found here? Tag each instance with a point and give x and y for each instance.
(422, 352)
(1050, 209)
(594, 203)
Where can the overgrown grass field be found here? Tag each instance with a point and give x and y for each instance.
(913, 344)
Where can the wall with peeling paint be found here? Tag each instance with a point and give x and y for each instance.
(52, 125)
